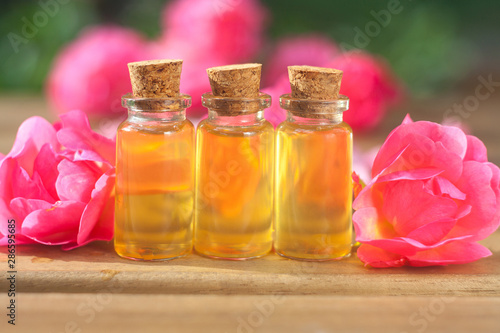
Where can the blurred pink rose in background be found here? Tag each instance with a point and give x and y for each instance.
(432, 197)
(231, 31)
(367, 80)
(370, 86)
(311, 50)
(208, 33)
(57, 183)
(275, 114)
(91, 73)
(194, 79)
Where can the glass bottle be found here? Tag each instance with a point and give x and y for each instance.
(313, 189)
(234, 178)
(154, 179)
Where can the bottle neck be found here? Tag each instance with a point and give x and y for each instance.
(235, 111)
(315, 119)
(168, 109)
(165, 116)
(314, 112)
(221, 119)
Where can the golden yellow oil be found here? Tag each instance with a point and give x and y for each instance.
(154, 191)
(234, 190)
(313, 191)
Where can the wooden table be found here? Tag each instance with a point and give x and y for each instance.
(92, 290)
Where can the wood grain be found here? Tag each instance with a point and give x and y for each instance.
(108, 312)
(96, 267)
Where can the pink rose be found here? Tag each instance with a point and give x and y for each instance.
(432, 197)
(57, 183)
(370, 86)
(232, 31)
(91, 74)
(311, 50)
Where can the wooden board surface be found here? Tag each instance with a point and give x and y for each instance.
(118, 313)
(96, 267)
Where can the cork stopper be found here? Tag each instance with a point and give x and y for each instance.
(155, 78)
(308, 82)
(235, 80)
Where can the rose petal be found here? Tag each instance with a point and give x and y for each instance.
(357, 184)
(407, 247)
(417, 174)
(20, 239)
(429, 144)
(29, 187)
(407, 120)
(76, 134)
(365, 197)
(369, 225)
(23, 207)
(97, 222)
(423, 153)
(407, 206)
(476, 183)
(33, 133)
(433, 232)
(442, 186)
(7, 167)
(376, 257)
(452, 138)
(402, 246)
(476, 150)
(458, 252)
(75, 181)
(46, 166)
(495, 177)
(56, 225)
(495, 185)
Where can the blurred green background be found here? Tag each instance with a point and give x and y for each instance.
(431, 45)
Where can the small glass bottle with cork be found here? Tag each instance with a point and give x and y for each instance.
(155, 166)
(313, 189)
(234, 171)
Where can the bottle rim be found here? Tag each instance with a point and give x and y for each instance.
(314, 106)
(163, 104)
(236, 105)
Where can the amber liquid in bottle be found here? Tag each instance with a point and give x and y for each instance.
(234, 177)
(154, 187)
(313, 190)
